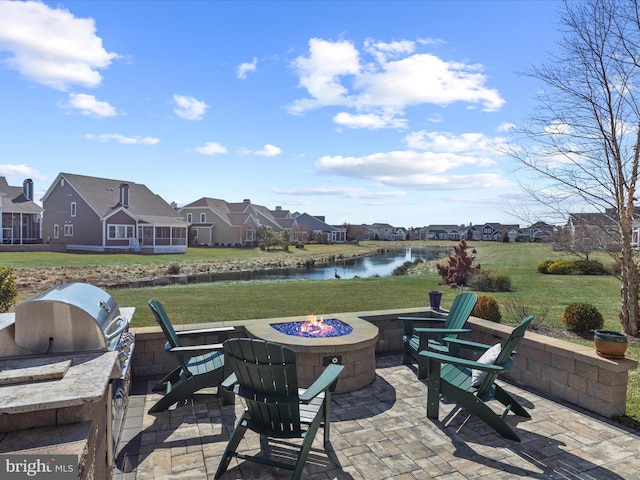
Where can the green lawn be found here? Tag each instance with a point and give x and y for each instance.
(267, 299)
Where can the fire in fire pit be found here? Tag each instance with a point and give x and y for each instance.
(314, 328)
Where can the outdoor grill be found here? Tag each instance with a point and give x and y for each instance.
(70, 318)
(72, 321)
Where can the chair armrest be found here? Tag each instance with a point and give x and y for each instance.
(212, 347)
(204, 331)
(469, 344)
(422, 319)
(421, 331)
(325, 381)
(229, 382)
(461, 362)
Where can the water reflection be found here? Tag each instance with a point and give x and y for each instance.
(379, 265)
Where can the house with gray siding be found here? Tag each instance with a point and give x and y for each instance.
(106, 215)
(216, 222)
(21, 215)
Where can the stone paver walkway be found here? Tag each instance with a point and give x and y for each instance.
(381, 432)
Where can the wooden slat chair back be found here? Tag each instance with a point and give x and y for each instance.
(452, 377)
(416, 339)
(170, 334)
(265, 377)
(199, 366)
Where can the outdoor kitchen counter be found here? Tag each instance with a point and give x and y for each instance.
(48, 382)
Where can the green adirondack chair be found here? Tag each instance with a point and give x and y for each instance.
(416, 339)
(199, 366)
(265, 376)
(453, 378)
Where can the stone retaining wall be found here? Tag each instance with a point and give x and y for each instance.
(565, 370)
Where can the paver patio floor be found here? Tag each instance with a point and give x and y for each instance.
(382, 432)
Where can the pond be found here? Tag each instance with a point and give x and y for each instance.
(378, 265)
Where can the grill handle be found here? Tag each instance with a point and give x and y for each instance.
(118, 331)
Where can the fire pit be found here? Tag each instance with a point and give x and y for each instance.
(314, 327)
(351, 343)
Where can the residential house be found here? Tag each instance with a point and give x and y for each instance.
(21, 215)
(216, 222)
(399, 234)
(100, 215)
(311, 226)
(601, 228)
(446, 232)
(380, 231)
(537, 232)
(497, 232)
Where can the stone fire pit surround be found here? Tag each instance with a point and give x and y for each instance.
(356, 350)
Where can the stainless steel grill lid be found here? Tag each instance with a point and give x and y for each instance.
(70, 317)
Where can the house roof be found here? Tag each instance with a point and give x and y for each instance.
(103, 196)
(14, 201)
(314, 223)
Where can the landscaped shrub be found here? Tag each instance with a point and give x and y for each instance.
(581, 317)
(543, 266)
(487, 308)
(174, 269)
(589, 267)
(8, 290)
(561, 267)
(459, 269)
(491, 280)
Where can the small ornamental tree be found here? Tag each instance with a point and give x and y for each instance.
(8, 291)
(459, 269)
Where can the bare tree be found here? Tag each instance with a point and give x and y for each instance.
(583, 142)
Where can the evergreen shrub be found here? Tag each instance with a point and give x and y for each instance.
(581, 317)
(8, 290)
(487, 308)
(561, 267)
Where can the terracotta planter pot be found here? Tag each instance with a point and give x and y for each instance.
(610, 344)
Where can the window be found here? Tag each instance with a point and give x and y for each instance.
(56, 231)
(203, 217)
(73, 209)
(120, 232)
(189, 217)
(163, 232)
(68, 230)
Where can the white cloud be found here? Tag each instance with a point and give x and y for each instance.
(20, 171)
(382, 51)
(435, 160)
(211, 148)
(320, 73)
(50, 46)
(89, 106)
(506, 127)
(371, 121)
(348, 192)
(189, 108)
(269, 151)
(395, 77)
(106, 137)
(245, 68)
(469, 143)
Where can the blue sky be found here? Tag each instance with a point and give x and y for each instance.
(361, 111)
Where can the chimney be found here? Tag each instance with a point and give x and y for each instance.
(27, 189)
(124, 195)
